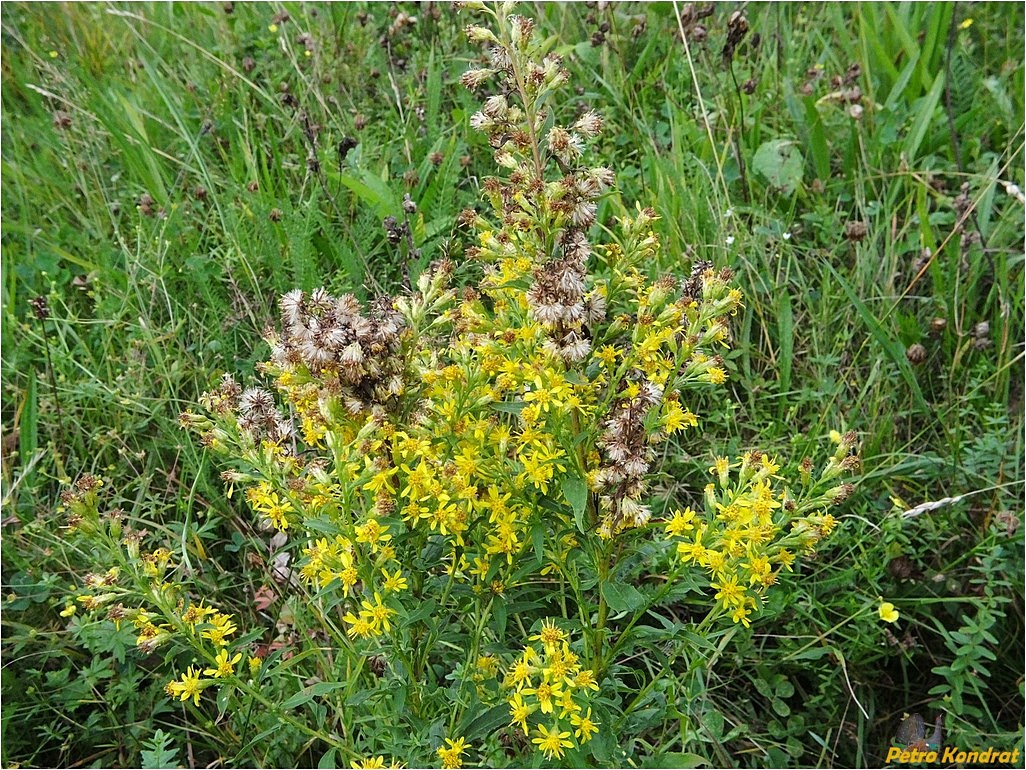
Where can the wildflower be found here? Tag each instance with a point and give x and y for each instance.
(225, 667)
(377, 614)
(680, 522)
(585, 679)
(521, 672)
(519, 711)
(887, 612)
(452, 757)
(394, 583)
(740, 615)
(196, 614)
(545, 693)
(586, 727)
(359, 626)
(372, 533)
(221, 626)
(678, 418)
(369, 763)
(190, 686)
(729, 592)
(549, 635)
(552, 742)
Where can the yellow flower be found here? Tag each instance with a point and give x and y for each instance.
(888, 613)
(741, 616)
(549, 635)
(678, 418)
(394, 583)
(585, 725)
(680, 522)
(586, 679)
(225, 667)
(369, 763)
(188, 687)
(372, 533)
(222, 627)
(729, 592)
(519, 711)
(452, 757)
(545, 693)
(552, 742)
(377, 614)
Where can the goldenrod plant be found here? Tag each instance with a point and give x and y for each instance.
(463, 478)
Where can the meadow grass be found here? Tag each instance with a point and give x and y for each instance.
(170, 170)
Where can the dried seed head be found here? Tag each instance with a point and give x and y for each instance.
(916, 354)
(40, 307)
(855, 230)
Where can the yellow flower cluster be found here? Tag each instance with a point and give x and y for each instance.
(552, 684)
(452, 754)
(750, 530)
(496, 426)
(168, 615)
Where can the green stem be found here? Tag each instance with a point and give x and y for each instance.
(599, 634)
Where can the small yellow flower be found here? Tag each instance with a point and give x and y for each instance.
(966, 24)
(585, 726)
(452, 757)
(394, 583)
(225, 667)
(552, 742)
(519, 711)
(190, 686)
(888, 613)
(549, 635)
(370, 763)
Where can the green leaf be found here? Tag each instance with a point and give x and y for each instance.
(785, 326)
(424, 611)
(327, 760)
(622, 597)
(28, 437)
(677, 759)
(486, 723)
(538, 541)
(307, 694)
(780, 162)
(781, 708)
(372, 190)
(576, 492)
(924, 111)
(510, 407)
(158, 752)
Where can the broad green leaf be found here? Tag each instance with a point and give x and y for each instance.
(780, 162)
(576, 492)
(622, 597)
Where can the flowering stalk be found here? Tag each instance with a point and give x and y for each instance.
(454, 447)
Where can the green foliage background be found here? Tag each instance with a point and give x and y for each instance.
(169, 170)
